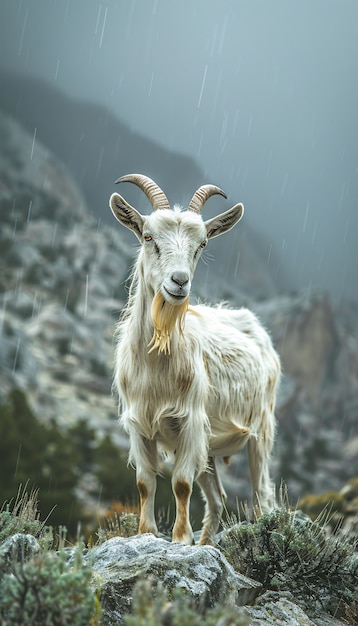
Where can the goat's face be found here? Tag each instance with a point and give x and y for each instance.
(172, 242)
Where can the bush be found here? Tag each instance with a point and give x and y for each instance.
(286, 551)
(46, 590)
(152, 607)
(39, 586)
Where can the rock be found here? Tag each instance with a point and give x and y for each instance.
(199, 571)
(17, 549)
(275, 609)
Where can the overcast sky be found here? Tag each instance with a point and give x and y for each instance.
(263, 93)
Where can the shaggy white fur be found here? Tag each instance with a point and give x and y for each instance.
(193, 381)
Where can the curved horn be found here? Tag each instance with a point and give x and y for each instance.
(202, 195)
(155, 195)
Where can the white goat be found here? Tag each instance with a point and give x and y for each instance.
(194, 381)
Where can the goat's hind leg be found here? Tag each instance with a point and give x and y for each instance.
(259, 452)
(214, 493)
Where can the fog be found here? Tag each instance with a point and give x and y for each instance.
(263, 95)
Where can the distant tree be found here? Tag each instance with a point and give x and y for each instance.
(40, 456)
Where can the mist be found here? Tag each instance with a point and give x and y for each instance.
(262, 96)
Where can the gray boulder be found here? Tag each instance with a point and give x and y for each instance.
(201, 572)
(278, 609)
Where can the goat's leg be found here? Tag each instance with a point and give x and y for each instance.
(191, 456)
(215, 495)
(259, 450)
(182, 530)
(145, 454)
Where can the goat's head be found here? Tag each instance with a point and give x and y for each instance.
(172, 241)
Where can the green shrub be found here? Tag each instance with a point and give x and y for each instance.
(37, 585)
(152, 607)
(47, 591)
(286, 551)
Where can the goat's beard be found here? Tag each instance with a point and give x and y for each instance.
(166, 317)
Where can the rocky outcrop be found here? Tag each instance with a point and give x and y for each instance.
(202, 573)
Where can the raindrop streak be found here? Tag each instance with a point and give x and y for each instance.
(33, 144)
(237, 264)
(236, 121)
(99, 495)
(202, 86)
(223, 35)
(18, 460)
(66, 12)
(14, 229)
(250, 125)
(103, 27)
(66, 300)
(99, 164)
(2, 317)
(314, 232)
(200, 142)
(86, 297)
(98, 18)
(151, 84)
(57, 68)
(34, 305)
(306, 216)
(29, 211)
(16, 356)
(23, 32)
(54, 235)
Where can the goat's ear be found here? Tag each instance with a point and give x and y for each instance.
(126, 214)
(223, 222)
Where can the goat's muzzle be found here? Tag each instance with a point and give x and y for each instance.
(176, 288)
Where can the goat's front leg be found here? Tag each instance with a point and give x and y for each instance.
(190, 456)
(145, 456)
(182, 488)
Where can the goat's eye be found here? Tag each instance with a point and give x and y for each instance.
(203, 244)
(147, 237)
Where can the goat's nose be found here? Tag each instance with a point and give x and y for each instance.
(180, 278)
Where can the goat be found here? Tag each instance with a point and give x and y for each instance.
(194, 382)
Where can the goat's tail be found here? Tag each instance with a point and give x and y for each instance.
(230, 442)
